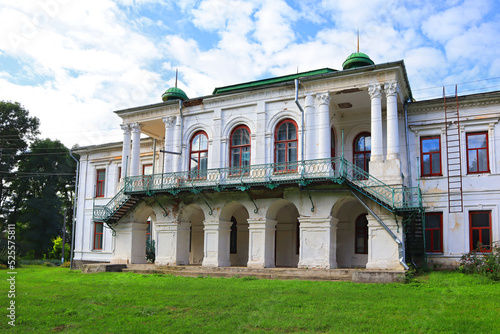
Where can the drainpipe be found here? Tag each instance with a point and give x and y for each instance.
(407, 144)
(74, 210)
(302, 111)
(401, 246)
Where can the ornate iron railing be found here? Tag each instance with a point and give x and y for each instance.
(337, 170)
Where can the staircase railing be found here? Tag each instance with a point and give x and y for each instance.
(102, 213)
(337, 170)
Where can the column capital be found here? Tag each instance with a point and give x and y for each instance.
(136, 127)
(323, 99)
(125, 127)
(375, 90)
(169, 121)
(391, 88)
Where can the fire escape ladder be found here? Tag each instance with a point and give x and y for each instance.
(453, 155)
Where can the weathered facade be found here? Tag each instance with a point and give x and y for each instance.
(322, 169)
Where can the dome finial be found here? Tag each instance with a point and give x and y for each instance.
(174, 93)
(357, 59)
(358, 42)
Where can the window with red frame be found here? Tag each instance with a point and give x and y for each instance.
(148, 232)
(477, 153)
(286, 146)
(98, 232)
(101, 179)
(147, 169)
(434, 232)
(198, 161)
(240, 150)
(361, 238)
(119, 174)
(430, 156)
(480, 231)
(362, 151)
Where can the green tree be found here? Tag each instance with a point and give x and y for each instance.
(17, 129)
(43, 190)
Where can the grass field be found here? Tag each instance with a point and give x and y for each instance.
(51, 300)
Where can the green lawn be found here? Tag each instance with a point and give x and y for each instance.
(50, 300)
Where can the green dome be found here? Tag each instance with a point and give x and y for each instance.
(174, 93)
(356, 60)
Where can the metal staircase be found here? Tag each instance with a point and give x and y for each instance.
(454, 160)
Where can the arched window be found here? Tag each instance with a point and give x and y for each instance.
(240, 149)
(361, 237)
(198, 160)
(286, 146)
(362, 151)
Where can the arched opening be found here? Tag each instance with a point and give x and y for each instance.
(287, 235)
(352, 234)
(194, 215)
(237, 214)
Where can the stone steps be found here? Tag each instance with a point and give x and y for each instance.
(354, 275)
(267, 273)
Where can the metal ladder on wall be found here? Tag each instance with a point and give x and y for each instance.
(453, 155)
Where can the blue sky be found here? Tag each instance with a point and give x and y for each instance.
(72, 63)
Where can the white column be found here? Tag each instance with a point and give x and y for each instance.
(376, 122)
(172, 242)
(310, 126)
(318, 242)
(322, 131)
(130, 243)
(167, 157)
(136, 149)
(261, 243)
(177, 142)
(217, 234)
(391, 91)
(125, 150)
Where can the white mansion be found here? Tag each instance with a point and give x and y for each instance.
(322, 169)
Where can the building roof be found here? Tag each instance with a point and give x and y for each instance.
(263, 82)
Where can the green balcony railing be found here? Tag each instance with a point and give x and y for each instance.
(337, 170)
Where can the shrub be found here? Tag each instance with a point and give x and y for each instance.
(55, 253)
(487, 263)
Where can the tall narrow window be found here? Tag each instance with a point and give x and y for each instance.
(361, 238)
(477, 153)
(362, 151)
(98, 231)
(101, 179)
(286, 146)
(332, 143)
(148, 232)
(198, 161)
(233, 238)
(240, 150)
(480, 230)
(434, 232)
(430, 156)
